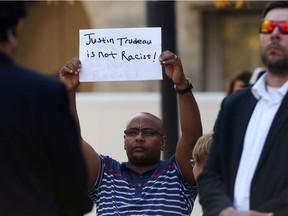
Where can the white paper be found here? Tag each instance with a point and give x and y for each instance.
(120, 54)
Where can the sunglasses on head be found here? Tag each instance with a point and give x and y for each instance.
(267, 26)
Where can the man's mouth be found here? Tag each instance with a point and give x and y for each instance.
(138, 148)
(274, 48)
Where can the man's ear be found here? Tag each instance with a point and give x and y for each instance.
(13, 34)
(163, 143)
(124, 142)
(18, 28)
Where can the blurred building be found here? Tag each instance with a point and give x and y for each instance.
(213, 43)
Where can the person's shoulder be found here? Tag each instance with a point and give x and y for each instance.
(40, 80)
(111, 162)
(169, 163)
(43, 77)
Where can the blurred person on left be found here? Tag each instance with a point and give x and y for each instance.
(42, 168)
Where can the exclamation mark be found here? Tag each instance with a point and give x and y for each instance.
(154, 56)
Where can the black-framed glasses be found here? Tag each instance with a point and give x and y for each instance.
(267, 26)
(192, 162)
(146, 132)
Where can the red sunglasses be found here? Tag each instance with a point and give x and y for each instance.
(267, 26)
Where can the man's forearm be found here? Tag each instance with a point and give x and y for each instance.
(190, 119)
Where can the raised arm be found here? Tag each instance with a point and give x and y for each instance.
(69, 74)
(190, 121)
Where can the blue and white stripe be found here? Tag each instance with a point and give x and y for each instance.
(160, 191)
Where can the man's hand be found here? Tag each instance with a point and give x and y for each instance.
(69, 74)
(173, 68)
(232, 212)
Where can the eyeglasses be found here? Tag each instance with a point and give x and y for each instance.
(192, 162)
(146, 132)
(267, 26)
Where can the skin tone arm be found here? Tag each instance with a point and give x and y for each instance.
(190, 120)
(69, 74)
(232, 212)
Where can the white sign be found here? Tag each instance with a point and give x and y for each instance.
(120, 54)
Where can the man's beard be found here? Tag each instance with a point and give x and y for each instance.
(277, 67)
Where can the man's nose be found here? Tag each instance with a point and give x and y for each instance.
(276, 32)
(140, 136)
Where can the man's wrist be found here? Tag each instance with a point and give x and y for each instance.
(229, 211)
(185, 90)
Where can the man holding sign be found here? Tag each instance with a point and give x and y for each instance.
(144, 185)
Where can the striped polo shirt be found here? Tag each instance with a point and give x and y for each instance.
(159, 191)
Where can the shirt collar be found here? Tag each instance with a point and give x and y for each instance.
(126, 165)
(259, 90)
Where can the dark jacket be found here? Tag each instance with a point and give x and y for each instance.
(42, 171)
(269, 187)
